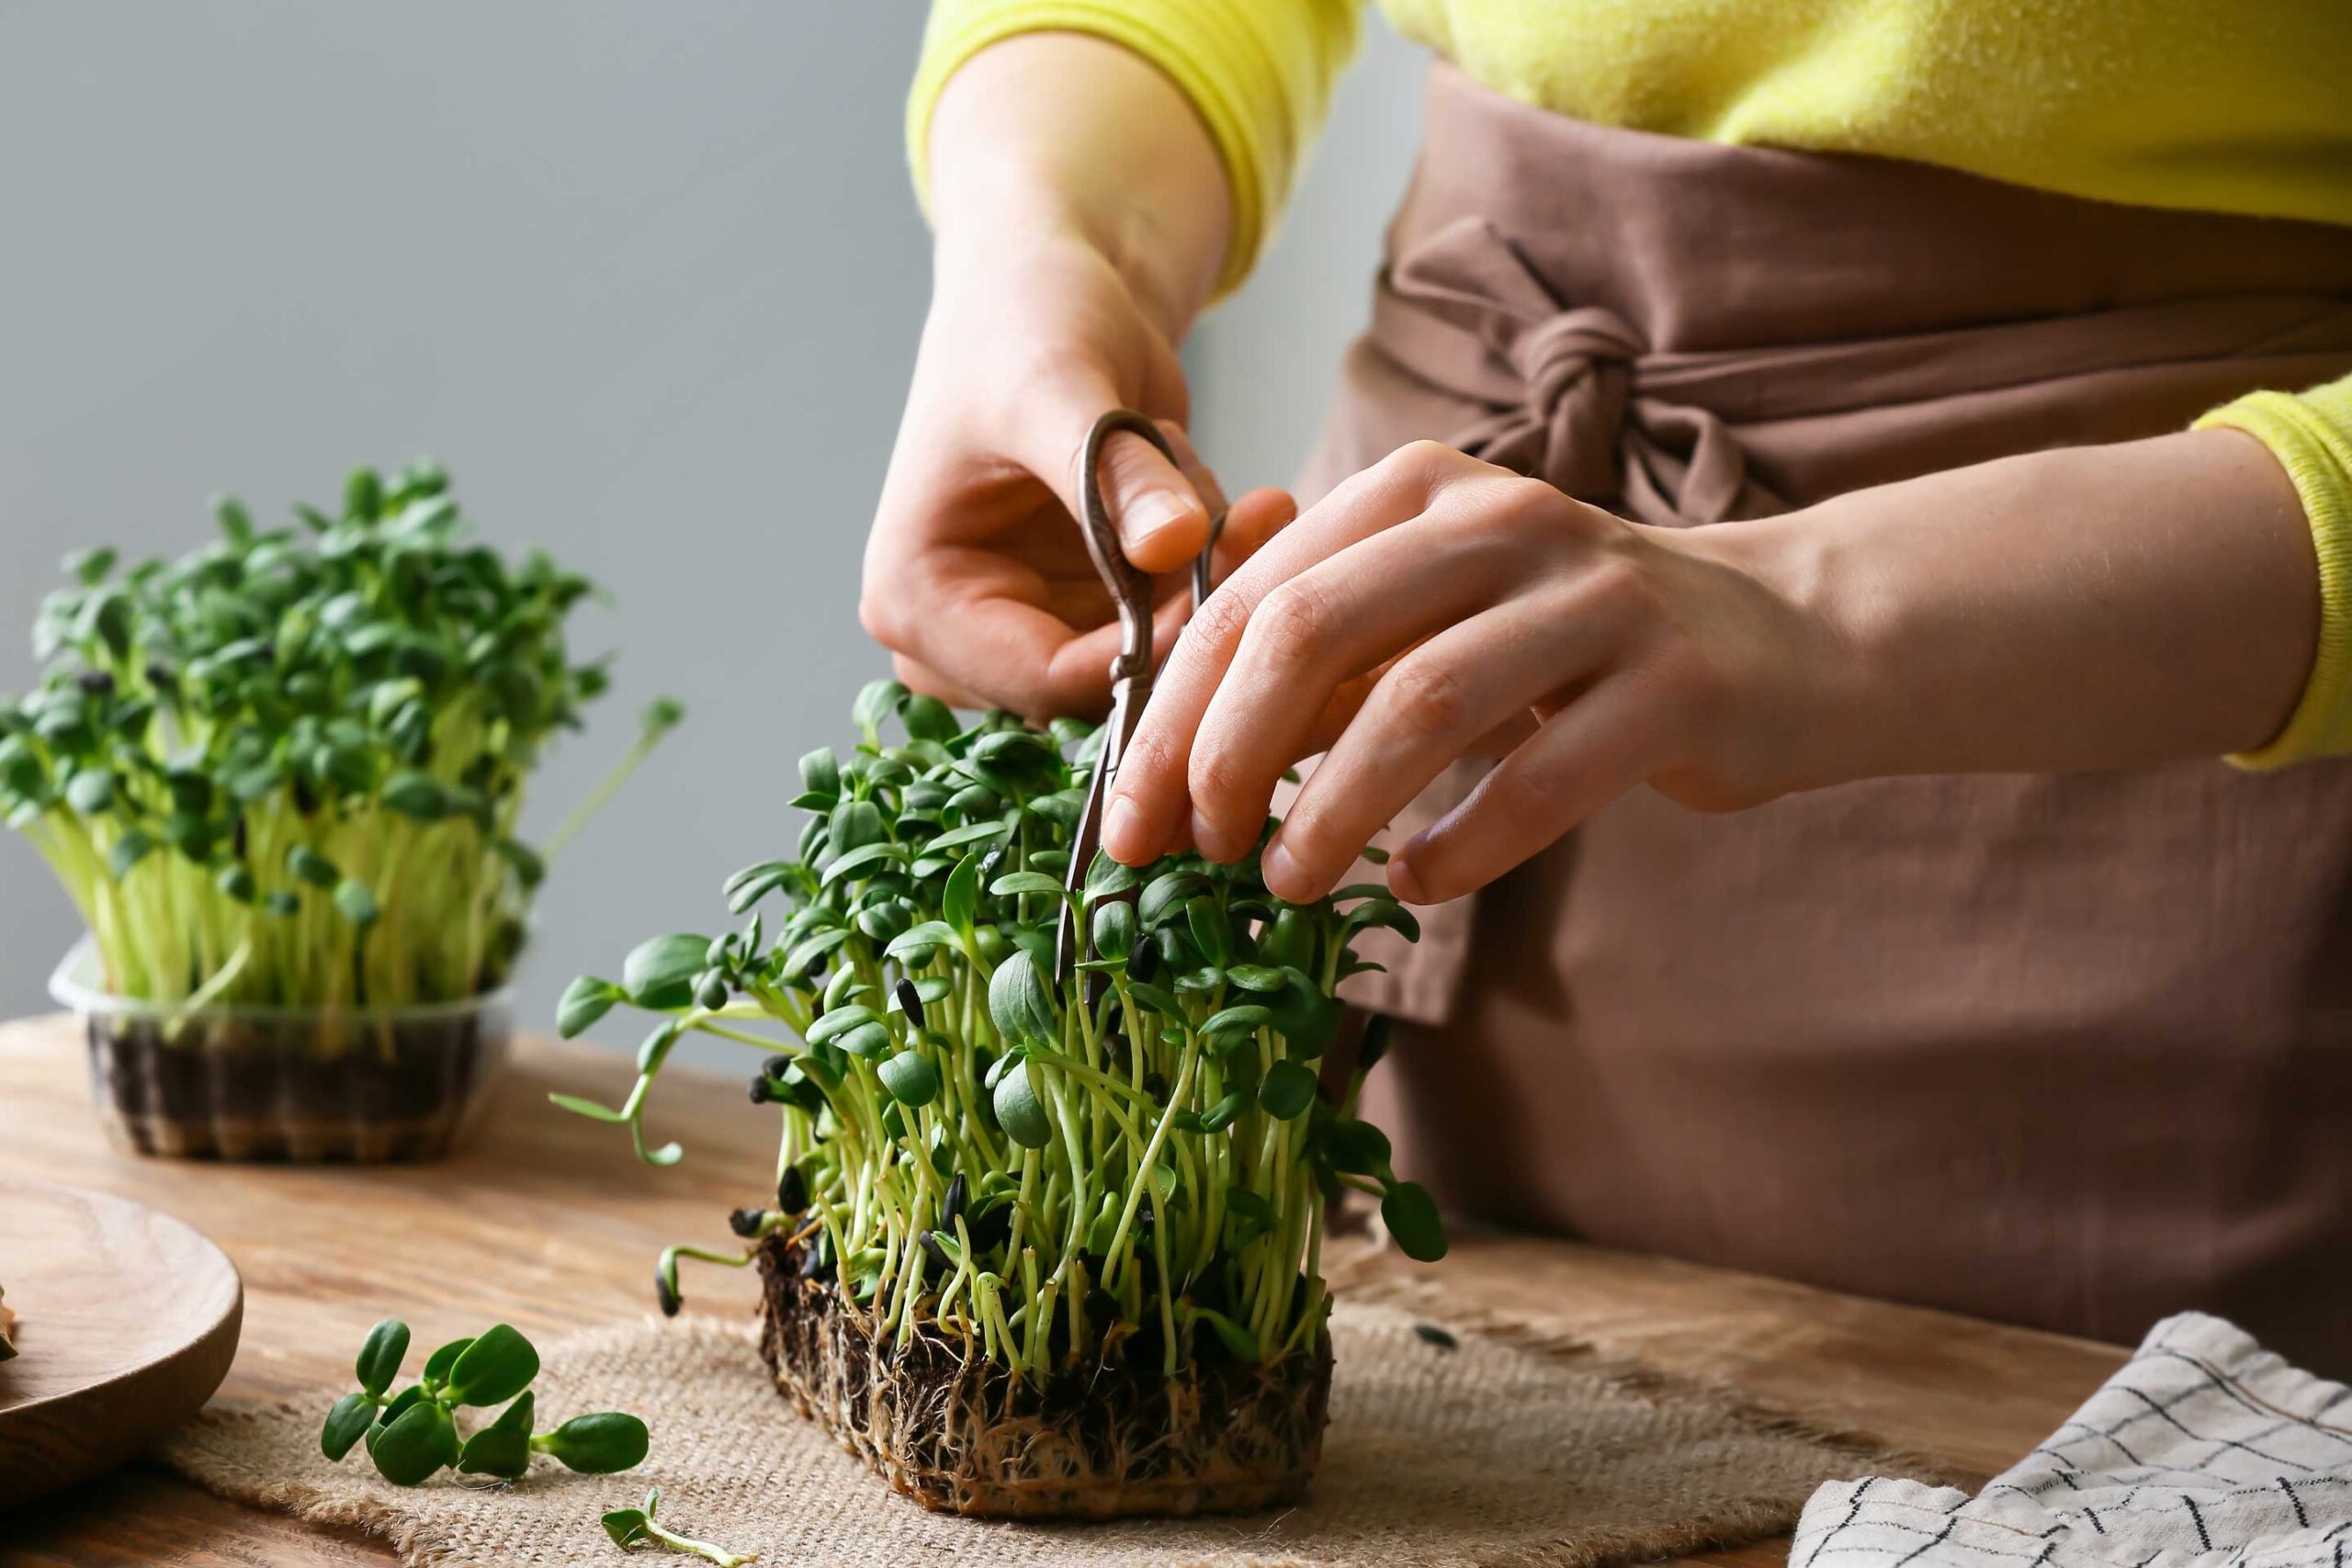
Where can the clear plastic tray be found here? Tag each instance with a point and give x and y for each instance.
(254, 1083)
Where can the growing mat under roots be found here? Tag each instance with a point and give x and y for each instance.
(958, 1433)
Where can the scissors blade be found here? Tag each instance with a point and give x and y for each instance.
(1131, 672)
(1126, 710)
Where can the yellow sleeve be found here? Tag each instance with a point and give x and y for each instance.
(1257, 72)
(2311, 434)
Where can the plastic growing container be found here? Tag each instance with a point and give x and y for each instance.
(260, 1083)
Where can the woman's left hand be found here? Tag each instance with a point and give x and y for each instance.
(1434, 606)
(2083, 607)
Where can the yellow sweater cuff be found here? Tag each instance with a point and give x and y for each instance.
(1257, 72)
(2311, 434)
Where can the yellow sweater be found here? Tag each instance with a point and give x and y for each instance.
(2224, 105)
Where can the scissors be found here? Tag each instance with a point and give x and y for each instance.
(1131, 672)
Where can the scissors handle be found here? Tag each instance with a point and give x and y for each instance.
(1131, 671)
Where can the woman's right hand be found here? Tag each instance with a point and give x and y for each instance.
(1080, 215)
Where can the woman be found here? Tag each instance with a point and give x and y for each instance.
(1876, 430)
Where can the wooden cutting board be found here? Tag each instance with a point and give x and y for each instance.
(126, 1322)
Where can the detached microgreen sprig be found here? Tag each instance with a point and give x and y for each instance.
(286, 768)
(634, 1526)
(1132, 1159)
(413, 1433)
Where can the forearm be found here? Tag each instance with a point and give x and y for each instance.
(2087, 608)
(1046, 137)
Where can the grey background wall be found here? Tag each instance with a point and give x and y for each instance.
(647, 277)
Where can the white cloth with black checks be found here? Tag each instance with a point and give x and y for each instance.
(2203, 1450)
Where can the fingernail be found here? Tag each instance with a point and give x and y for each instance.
(1280, 871)
(1123, 831)
(1404, 883)
(1210, 840)
(1154, 513)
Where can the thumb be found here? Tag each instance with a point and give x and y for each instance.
(1162, 520)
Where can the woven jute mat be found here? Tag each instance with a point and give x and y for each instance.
(1515, 1446)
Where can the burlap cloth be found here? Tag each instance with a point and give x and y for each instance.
(1517, 1446)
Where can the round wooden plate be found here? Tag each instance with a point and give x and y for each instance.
(126, 1322)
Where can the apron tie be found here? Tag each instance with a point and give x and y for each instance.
(1565, 388)
(1577, 369)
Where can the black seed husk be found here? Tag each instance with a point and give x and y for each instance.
(746, 1222)
(664, 1294)
(1438, 1337)
(990, 1227)
(792, 1190)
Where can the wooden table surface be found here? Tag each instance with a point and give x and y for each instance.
(545, 1222)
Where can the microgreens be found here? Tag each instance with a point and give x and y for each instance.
(628, 1527)
(286, 768)
(413, 1433)
(1046, 1167)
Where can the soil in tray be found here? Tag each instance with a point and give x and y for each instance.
(956, 1432)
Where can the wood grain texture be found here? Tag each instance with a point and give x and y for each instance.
(546, 1223)
(127, 1319)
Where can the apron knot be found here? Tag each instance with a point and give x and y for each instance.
(1578, 370)
(1562, 386)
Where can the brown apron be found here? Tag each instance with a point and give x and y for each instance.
(2067, 1050)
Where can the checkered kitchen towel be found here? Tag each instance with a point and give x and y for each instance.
(2204, 1450)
